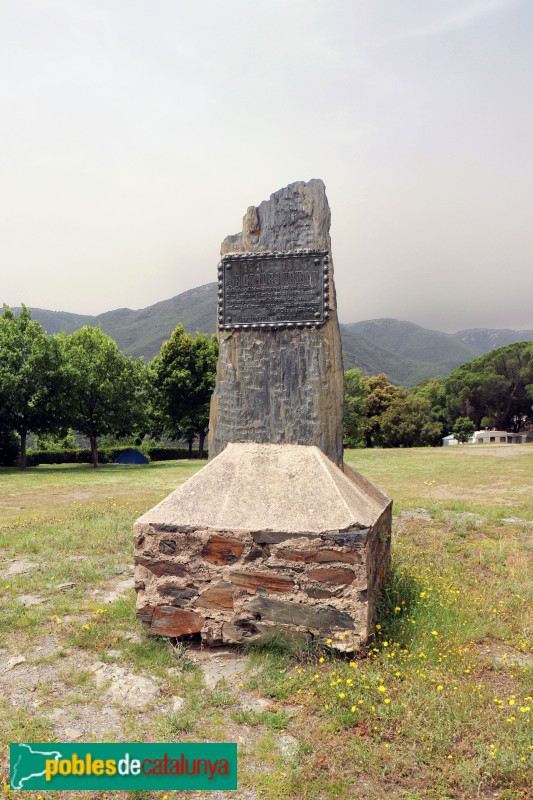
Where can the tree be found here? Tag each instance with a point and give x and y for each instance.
(407, 422)
(184, 380)
(355, 407)
(9, 447)
(107, 389)
(434, 391)
(463, 429)
(494, 386)
(65, 440)
(381, 394)
(33, 381)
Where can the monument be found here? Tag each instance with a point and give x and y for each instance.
(275, 534)
(279, 375)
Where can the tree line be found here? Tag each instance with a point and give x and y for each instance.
(82, 381)
(493, 391)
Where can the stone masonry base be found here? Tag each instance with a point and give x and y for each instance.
(227, 568)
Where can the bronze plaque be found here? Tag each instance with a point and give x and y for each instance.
(273, 290)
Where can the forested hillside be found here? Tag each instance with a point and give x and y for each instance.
(406, 352)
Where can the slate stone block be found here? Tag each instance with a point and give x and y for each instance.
(315, 556)
(160, 568)
(222, 550)
(332, 575)
(218, 596)
(171, 621)
(291, 613)
(252, 581)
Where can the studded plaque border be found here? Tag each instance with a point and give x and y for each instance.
(320, 257)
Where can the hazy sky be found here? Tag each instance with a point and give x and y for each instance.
(135, 133)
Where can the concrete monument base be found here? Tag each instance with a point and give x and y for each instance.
(265, 539)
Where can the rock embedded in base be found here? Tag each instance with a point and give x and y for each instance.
(265, 539)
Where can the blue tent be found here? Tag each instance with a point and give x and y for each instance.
(131, 456)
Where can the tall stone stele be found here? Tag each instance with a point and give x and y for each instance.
(275, 535)
(279, 375)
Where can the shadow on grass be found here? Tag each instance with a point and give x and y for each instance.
(287, 647)
(399, 598)
(62, 468)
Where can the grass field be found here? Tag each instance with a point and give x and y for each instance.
(440, 707)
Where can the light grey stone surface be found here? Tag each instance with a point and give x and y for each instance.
(72, 734)
(288, 745)
(258, 487)
(17, 567)
(283, 386)
(10, 663)
(256, 704)
(222, 669)
(119, 590)
(125, 688)
(31, 600)
(178, 704)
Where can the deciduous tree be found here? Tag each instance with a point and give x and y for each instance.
(33, 381)
(381, 394)
(463, 429)
(183, 377)
(434, 391)
(107, 389)
(407, 422)
(355, 408)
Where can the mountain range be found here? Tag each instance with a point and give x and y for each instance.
(406, 352)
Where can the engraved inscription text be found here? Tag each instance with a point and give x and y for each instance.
(271, 290)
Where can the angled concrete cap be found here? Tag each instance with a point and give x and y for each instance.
(271, 487)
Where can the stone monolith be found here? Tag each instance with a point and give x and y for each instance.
(280, 373)
(275, 535)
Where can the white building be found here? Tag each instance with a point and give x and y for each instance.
(491, 437)
(501, 437)
(449, 440)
